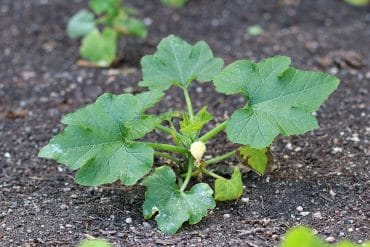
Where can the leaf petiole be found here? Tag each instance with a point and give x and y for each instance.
(166, 147)
(213, 132)
(188, 174)
(221, 157)
(211, 174)
(188, 103)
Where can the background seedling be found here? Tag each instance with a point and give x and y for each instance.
(101, 30)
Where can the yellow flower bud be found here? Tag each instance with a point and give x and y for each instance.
(197, 149)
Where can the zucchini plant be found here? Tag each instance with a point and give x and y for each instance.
(101, 29)
(105, 141)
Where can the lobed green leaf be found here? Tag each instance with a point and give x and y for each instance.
(280, 99)
(99, 140)
(229, 189)
(178, 63)
(171, 206)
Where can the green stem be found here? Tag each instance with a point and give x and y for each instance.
(212, 174)
(188, 174)
(220, 158)
(166, 147)
(188, 104)
(212, 161)
(167, 156)
(213, 132)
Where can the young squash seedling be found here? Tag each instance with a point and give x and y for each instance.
(115, 20)
(105, 141)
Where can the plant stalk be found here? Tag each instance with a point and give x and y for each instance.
(188, 103)
(188, 174)
(212, 174)
(220, 158)
(166, 147)
(213, 132)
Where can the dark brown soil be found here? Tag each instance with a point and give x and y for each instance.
(326, 172)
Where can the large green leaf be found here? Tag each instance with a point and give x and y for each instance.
(256, 159)
(99, 140)
(229, 189)
(100, 48)
(81, 24)
(280, 99)
(178, 63)
(172, 206)
(102, 6)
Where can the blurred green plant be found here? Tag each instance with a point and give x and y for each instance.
(95, 243)
(174, 3)
(255, 30)
(301, 236)
(358, 2)
(101, 29)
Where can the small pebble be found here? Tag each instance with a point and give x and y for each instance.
(227, 215)
(304, 213)
(289, 146)
(332, 193)
(299, 208)
(128, 220)
(7, 155)
(330, 239)
(245, 199)
(336, 150)
(317, 215)
(354, 138)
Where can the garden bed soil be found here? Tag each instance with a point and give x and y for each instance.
(322, 177)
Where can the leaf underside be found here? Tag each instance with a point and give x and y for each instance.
(178, 63)
(99, 140)
(280, 99)
(171, 206)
